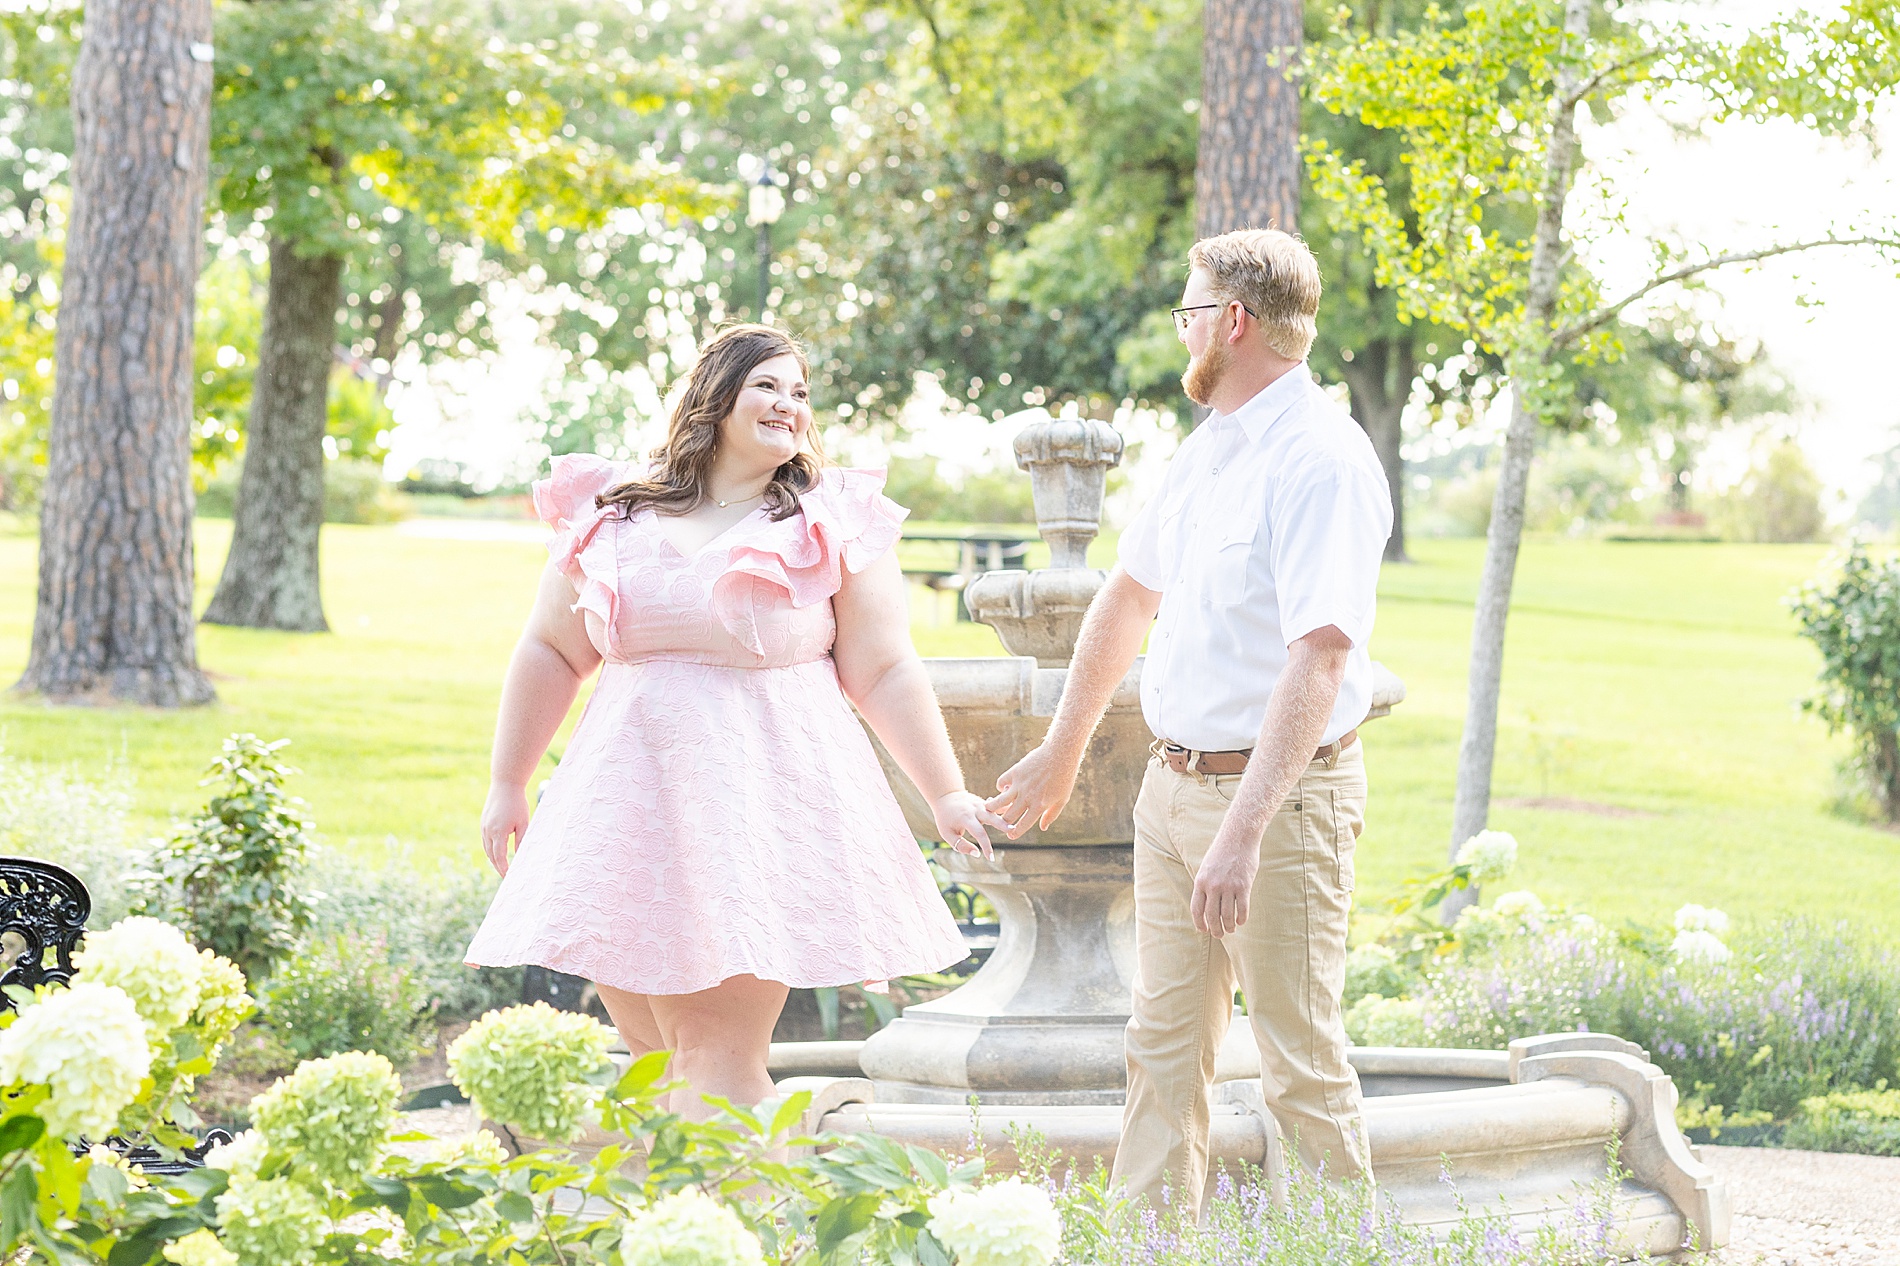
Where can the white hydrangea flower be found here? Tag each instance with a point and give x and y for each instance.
(1697, 946)
(479, 1148)
(689, 1228)
(269, 1221)
(201, 1248)
(223, 998)
(242, 1155)
(100, 1154)
(87, 1043)
(1521, 907)
(1490, 855)
(1008, 1223)
(331, 1116)
(1694, 918)
(153, 962)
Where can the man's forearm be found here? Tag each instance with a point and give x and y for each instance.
(1105, 649)
(1301, 704)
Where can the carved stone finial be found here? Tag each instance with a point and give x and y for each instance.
(1068, 460)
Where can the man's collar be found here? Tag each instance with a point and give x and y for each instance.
(1271, 401)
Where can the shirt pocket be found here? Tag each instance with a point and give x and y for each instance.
(1231, 562)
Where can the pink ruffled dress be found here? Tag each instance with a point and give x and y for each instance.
(719, 810)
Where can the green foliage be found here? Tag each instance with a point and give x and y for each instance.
(341, 993)
(1473, 96)
(1866, 1121)
(1777, 503)
(79, 823)
(424, 916)
(1852, 615)
(230, 319)
(232, 876)
(1000, 496)
(355, 491)
(1799, 1010)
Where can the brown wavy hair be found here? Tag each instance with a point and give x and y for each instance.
(677, 482)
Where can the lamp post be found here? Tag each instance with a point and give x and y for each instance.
(765, 202)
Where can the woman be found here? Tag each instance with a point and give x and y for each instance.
(718, 830)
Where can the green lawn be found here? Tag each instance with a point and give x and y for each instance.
(1652, 685)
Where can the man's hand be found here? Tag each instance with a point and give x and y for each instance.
(1034, 791)
(1224, 882)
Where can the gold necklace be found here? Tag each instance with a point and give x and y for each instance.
(724, 504)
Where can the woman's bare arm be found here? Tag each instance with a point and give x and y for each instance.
(881, 674)
(550, 661)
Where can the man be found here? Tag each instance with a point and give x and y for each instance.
(1260, 555)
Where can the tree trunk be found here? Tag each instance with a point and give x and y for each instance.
(270, 578)
(1379, 376)
(1471, 808)
(1247, 175)
(113, 621)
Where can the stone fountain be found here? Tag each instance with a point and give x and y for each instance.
(1035, 1036)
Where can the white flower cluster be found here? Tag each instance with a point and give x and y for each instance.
(689, 1228)
(270, 1221)
(331, 1116)
(1490, 855)
(200, 1248)
(527, 1067)
(1521, 908)
(1375, 1020)
(1008, 1223)
(1694, 918)
(153, 963)
(1699, 936)
(86, 1044)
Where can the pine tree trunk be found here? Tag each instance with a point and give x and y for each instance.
(1248, 172)
(271, 578)
(1471, 806)
(113, 621)
(1379, 376)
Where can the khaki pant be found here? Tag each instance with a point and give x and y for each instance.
(1289, 959)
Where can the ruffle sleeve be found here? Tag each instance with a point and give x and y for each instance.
(582, 552)
(845, 523)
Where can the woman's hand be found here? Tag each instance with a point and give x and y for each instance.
(504, 817)
(961, 818)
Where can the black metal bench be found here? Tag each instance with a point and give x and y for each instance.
(43, 913)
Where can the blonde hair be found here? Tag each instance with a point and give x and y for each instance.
(1274, 275)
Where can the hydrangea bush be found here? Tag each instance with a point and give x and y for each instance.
(532, 1068)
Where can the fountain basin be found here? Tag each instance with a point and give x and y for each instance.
(1513, 1132)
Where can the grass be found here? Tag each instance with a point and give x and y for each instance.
(1650, 703)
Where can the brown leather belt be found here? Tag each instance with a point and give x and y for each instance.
(1175, 757)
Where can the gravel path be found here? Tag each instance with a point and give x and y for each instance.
(1809, 1208)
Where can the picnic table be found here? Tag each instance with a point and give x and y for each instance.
(978, 549)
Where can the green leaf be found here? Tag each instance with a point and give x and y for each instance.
(391, 1193)
(515, 1207)
(843, 1217)
(19, 1207)
(930, 1252)
(20, 1131)
(791, 1112)
(445, 1194)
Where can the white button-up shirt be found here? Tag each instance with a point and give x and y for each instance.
(1269, 524)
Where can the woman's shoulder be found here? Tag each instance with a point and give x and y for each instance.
(574, 480)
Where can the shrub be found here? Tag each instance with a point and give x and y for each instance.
(1853, 618)
(426, 918)
(231, 877)
(354, 491)
(1796, 1011)
(64, 819)
(1866, 1121)
(341, 993)
(998, 496)
(1778, 502)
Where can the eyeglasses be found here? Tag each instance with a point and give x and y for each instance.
(1182, 316)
